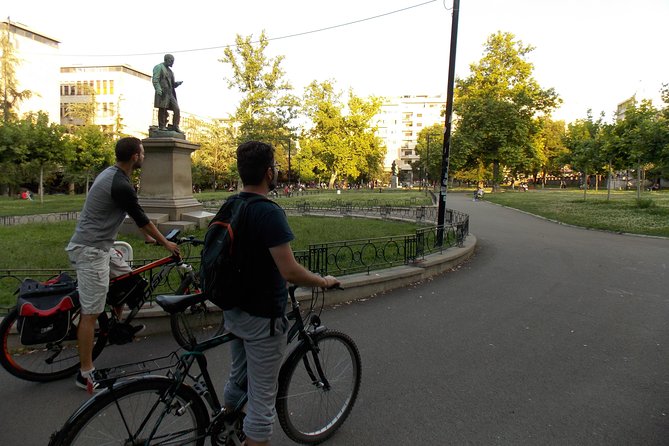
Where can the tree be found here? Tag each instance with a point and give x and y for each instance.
(92, 150)
(9, 86)
(83, 113)
(214, 163)
(550, 147)
(341, 140)
(267, 106)
(585, 142)
(429, 147)
(45, 147)
(496, 107)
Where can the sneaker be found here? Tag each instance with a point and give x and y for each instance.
(137, 329)
(89, 383)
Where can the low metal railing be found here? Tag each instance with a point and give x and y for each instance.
(337, 258)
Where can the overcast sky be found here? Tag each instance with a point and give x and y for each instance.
(595, 53)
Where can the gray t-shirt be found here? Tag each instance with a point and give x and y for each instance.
(109, 200)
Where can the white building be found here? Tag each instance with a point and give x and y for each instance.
(37, 70)
(399, 122)
(120, 91)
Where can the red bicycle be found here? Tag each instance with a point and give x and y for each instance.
(37, 347)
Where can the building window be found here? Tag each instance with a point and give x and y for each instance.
(104, 87)
(97, 87)
(420, 115)
(111, 86)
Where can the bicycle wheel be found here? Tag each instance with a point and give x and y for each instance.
(309, 411)
(200, 321)
(138, 412)
(46, 362)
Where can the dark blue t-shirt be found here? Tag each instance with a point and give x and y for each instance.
(264, 288)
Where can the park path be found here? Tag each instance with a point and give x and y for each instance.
(549, 335)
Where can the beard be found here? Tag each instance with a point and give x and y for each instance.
(272, 184)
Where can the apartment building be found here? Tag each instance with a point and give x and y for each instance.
(37, 70)
(122, 94)
(400, 121)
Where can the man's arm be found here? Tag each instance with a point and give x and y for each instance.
(151, 231)
(157, 70)
(295, 273)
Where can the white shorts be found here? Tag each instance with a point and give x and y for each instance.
(94, 268)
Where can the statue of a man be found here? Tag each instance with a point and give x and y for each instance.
(166, 95)
(393, 168)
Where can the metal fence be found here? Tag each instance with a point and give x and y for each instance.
(10, 220)
(337, 258)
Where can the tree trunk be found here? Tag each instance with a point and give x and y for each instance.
(638, 180)
(333, 177)
(495, 176)
(608, 185)
(585, 184)
(41, 184)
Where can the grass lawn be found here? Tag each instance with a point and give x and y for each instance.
(41, 246)
(10, 206)
(622, 213)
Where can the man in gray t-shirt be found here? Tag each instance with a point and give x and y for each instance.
(91, 247)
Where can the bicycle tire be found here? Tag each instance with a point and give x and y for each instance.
(203, 321)
(307, 412)
(124, 415)
(45, 362)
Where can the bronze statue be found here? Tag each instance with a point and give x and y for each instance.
(166, 95)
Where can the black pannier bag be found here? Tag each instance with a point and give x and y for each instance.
(45, 310)
(127, 289)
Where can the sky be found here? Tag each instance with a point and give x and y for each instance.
(594, 53)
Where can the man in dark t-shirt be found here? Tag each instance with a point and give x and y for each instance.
(259, 322)
(91, 250)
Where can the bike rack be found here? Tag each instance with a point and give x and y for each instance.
(140, 368)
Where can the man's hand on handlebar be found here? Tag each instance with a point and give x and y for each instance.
(173, 248)
(331, 282)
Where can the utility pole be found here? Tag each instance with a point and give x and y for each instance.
(447, 131)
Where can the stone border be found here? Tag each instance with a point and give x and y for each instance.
(356, 286)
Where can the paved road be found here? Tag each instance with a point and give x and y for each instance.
(550, 335)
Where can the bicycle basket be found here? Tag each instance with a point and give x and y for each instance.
(126, 290)
(45, 308)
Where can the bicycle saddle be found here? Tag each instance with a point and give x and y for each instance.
(178, 303)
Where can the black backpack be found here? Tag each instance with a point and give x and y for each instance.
(222, 258)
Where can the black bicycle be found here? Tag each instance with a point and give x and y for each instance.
(318, 385)
(54, 359)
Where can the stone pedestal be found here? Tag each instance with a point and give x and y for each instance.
(166, 182)
(393, 182)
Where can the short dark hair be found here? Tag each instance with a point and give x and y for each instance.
(253, 159)
(127, 147)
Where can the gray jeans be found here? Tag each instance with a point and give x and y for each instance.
(256, 356)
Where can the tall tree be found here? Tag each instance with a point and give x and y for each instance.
(267, 106)
(214, 163)
(585, 141)
(45, 146)
(91, 150)
(428, 148)
(550, 147)
(341, 140)
(10, 93)
(497, 104)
